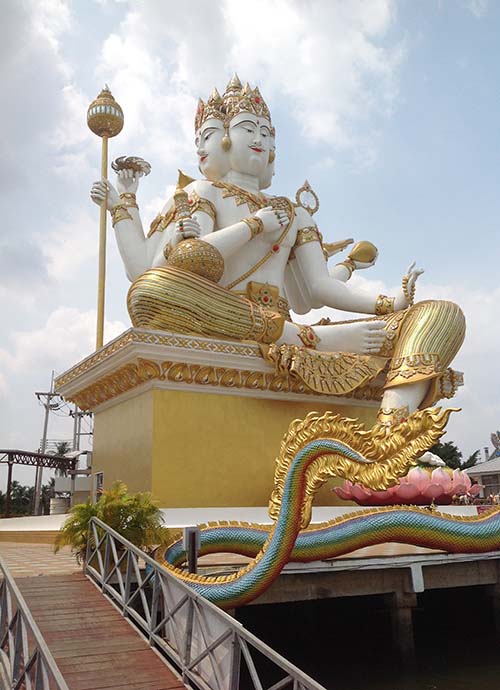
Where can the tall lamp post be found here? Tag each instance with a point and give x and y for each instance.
(104, 118)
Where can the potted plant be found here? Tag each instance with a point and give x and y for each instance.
(136, 517)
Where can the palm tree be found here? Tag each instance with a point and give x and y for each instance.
(136, 517)
(62, 447)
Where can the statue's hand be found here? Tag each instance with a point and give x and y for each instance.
(360, 265)
(127, 180)
(403, 298)
(186, 229)
(98, 194)
(272, 219)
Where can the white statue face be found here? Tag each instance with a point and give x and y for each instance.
(213, 161)
(265, 180)
(251, 143)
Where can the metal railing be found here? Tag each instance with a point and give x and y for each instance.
(25, 660)
(208, 647)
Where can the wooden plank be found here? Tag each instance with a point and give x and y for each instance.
(94, 646)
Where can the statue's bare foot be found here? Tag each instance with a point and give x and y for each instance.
(360, 337)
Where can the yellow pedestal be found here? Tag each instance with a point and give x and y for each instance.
(197, 422)
(199, 449)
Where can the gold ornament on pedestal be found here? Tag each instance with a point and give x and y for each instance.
(104, 118)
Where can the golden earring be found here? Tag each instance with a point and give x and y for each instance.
(272, 156)
(226, 141)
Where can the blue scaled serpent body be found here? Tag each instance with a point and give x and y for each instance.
(312, 451)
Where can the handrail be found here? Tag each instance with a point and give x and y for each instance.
(25, 659)
(209, 648)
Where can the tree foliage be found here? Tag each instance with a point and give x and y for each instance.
(136, 517)
(449, 453)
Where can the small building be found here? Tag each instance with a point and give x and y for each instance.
(487, 474)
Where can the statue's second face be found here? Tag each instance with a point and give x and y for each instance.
(251, 143)
(213, 161)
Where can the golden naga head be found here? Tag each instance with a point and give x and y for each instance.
(236, 99)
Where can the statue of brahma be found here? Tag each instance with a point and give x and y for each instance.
(226, 260)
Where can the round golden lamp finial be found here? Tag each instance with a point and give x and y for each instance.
(105, 116)
(363, 251)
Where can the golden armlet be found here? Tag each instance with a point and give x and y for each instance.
(306, 235)
(199, 257)
(309, 337)
(349, 264)
(255, 225)
(128, 200)
(384, 305)
(118, 213)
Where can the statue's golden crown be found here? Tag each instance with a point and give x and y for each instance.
(236, 99)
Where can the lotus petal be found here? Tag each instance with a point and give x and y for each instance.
(407, 492)
(419, 478)
(475, 489)
(440, 476)
(433, 491)
(466, 480)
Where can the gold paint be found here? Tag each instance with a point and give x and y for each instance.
(306, 188)
(332, 248)
(242, 196)
(331, 373)
(198, 257)
(136, 336)
(236, 99)
(384, 305)
(132, 375)
(255, 225)
(363, 251)
(391, 456)
(199, 203)
(305, 235)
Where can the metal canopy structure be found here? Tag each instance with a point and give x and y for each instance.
(25, 457)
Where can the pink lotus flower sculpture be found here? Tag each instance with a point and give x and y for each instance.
(421, 486)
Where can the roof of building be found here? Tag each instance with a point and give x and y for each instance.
(488, 467)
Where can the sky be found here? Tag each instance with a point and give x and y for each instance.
(390, 109)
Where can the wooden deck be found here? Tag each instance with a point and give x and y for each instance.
(92, 644)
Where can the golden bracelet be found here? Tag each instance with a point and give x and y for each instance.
(384, 305)
(129, 200)
(349, 264)
(409, 294)
(118, 213)
(309, 337)
(255, 225)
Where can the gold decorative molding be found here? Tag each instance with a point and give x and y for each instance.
(134, 335)
(134, 374)
(171, 360)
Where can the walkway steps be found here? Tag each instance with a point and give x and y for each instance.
(94, 647)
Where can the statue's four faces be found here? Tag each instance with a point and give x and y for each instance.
(251, 145)
(213, 161)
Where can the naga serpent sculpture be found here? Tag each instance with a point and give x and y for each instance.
(308, 457)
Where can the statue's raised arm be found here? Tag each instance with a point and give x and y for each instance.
(224, 259)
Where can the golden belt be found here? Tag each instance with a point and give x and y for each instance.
(267, 296)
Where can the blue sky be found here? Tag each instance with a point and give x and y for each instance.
(390, 109)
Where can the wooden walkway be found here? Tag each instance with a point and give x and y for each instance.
(92, 644)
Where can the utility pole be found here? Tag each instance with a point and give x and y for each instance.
(46, 400)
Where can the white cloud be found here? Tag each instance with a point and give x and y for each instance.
(71, 243)
(478, 7)
(67, 336)
(327, 62)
